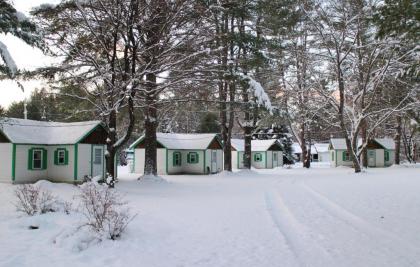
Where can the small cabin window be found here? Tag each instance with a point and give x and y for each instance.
(275, 156)
(257, 157)
(177, 159)
(192, 157)
(98, 156)
(61, 156)
(346, 156)
(37, 159)
(386, 155)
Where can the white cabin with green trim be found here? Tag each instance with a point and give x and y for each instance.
(380, 152)
(60, 152)
(265, 154)
(182, 154)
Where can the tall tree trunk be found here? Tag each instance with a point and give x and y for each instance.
(307, 163)
(150, 125)
(364, 140)
(302, 137)
(112, 136)
(397, 139)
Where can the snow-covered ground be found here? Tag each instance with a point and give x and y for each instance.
(282, 217)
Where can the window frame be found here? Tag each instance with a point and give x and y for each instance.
(196, 158)
(41, 160)
(346, 156)
(386, 155)
(100, 156)
(259, 155)
(177, 156)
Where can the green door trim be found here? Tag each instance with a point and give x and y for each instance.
(167, 161)
(75, 161)
(266, 159)
(13, 162)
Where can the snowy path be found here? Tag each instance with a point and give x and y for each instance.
(282, 217)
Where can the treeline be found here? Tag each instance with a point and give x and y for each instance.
(348, 67)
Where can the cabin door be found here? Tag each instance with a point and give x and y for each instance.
(97, 161)
(371, 158)
(275, 159)
(213, 161)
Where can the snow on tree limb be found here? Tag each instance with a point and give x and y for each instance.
(262, 99)
(8, 60)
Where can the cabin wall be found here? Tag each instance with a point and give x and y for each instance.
(269, 163)
(161, 161)
(84, 160)
(219, 160)
(60, 173)
(380, 158)
(139, 156)
(338, 156)
(194, 168)
(235, 159)
(171, 168)
(324, 157)
(258, 164)
(139, 160)
(391, 160)
(6, 153)
(279, 161)
(22, 173)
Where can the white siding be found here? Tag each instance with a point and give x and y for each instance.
(139, 160)
(234, 156)
(23, 174)
(219, 160)
(324, 157)
(194, 168)
(84, 155)
(60, 173)
(339, 157)
(391, 158)
(380, 158)
(269, 159)
(171, 168)
(6, 150)
(161, 161)
(258, 164)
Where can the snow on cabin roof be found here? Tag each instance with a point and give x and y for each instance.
(256, 145)
(387, 143)
(340, 143)
(20, 131)
(181, 141)
(296, 148)
(321, 148)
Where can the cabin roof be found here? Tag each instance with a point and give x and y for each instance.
(20, 131)
(181, 141)
(256, 145)
(340, 143)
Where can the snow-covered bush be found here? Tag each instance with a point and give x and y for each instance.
(32, 199)
(104, 209)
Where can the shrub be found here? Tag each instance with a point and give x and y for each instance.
(32, 199)
(104, 209)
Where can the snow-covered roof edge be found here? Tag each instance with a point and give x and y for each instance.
(181, 138)
(386, 143)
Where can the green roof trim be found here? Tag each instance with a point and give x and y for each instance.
(133, 145)
(90, 131)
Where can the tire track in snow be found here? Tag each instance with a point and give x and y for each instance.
(298, 237)
(388, 239)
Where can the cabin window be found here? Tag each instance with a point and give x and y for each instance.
(346, 156)
(61, 156)
(386, 155)
(257, 157)
(37, 159)
(192, 157)
(177, 159)
(97, 156)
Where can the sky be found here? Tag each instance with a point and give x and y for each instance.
(25, 57)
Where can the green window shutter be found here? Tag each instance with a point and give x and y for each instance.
(44, 159)
(30, 157)
(197, 158)
(66, 157)
(386, 155)
(255, 157)
(344, 155)
(188, 158)
(56, 157)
